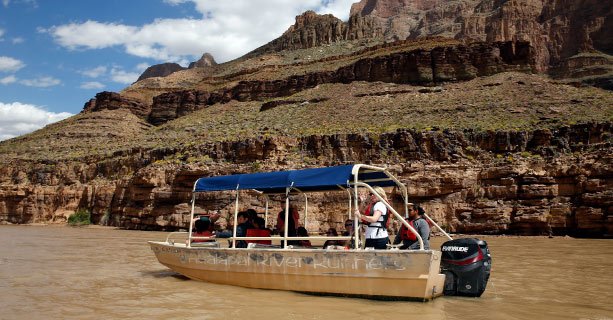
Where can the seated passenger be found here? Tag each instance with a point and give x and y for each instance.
(419, 223)
(348, 233)
(202, 230)
(291, 228)
(241, 229)
(332, 233)
(302, 232)
(252, 214)
(260, 230)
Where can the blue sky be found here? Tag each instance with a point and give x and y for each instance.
(56, 55)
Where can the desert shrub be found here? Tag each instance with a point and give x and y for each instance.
(80, 218)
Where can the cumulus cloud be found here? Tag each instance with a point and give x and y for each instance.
(8, 80)
(92, 85)
(41, 82)
(18, 118)
(94, 72)
(91, 34)
(8, 64)
(122, 76)
(18, 40)
(227, 29)
(32, 3)
(338, 8)
(141, 67)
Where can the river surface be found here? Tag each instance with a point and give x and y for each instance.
(51, 272)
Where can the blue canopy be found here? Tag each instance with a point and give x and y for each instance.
(318, 179)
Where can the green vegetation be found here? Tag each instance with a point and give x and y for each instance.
(80, 218)
(503, 102)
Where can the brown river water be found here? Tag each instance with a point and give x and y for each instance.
(101, 273)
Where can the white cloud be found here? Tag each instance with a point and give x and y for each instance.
(338, 8)
(92, 85)
(141, 67)
(227, 29)
(8, 80)
(115, 73)
(122, 76)
(18, 118)
(94, 72)
(8, 64)
(32, 3)
(91, 34)
(18, 40)
(1, 33)
(41, 82)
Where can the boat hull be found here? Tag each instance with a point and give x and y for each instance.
(392, 274)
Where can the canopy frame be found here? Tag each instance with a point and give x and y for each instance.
(342, 178)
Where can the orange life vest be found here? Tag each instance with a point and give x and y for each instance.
(368, 212)
(203, 234)
(258, 233)
(406, 234)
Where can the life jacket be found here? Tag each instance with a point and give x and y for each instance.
(367, 212)
(379, 224)
(406, 234)
(258, 233)
(203, 234)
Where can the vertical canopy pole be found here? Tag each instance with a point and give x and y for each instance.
(356, 234)
(349, 211)
(191, 220)
(286, 217)
(266, 211)
(306, 209)
(405, 194)
(235, 220)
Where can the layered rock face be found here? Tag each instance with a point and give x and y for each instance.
(160, 70)
(172, 105)
(165, 69)
(111, 101)
(557, 29)
(450, 63)
(538, 187)
(313, 30)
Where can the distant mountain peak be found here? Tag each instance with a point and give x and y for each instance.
(160, 70)
(206, 60)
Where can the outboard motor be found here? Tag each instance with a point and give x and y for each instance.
(466, 264)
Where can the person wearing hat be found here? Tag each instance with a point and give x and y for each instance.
(376, 233)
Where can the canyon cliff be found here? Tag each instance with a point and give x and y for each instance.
(558, 30)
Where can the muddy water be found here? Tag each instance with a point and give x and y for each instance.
(95, 273)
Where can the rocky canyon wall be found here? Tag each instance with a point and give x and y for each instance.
(420, 67)
(557, 29)
(472, 182)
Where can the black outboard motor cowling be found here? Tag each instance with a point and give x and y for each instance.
(466, 264)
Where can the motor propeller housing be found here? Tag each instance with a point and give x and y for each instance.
(467, 264)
